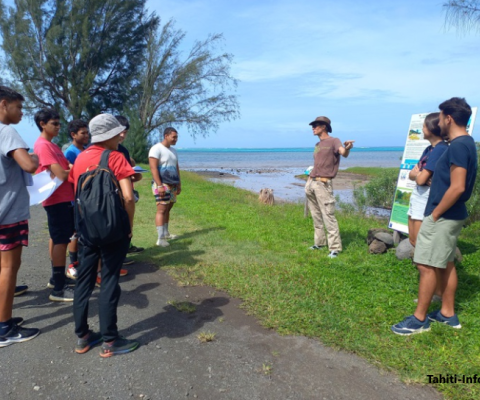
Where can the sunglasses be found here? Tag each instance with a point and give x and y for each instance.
(55, 123)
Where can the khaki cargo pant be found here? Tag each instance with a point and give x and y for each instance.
(321, 203)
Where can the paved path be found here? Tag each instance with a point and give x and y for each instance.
(244, 362)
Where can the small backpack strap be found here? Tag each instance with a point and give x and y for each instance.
(104, 159)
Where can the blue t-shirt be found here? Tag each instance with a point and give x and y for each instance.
(72, 153)
(462, 152)
(430, 156)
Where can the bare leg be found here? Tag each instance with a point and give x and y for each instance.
(9, 265)
(50, 249)
(73, 246)
(426, 288)
(161, 217)
(59, 254)
(450, 282)
(413, 228)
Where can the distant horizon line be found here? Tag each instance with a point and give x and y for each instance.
(309, 148)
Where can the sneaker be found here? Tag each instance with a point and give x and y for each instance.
(435, 299)
(118, 346)
(20, 290)
(162, 243)
(135, 249)
(411, 325)
(333, 254)
(128, 261)
(62, 295)
(86, 343)
(17, 321)
(437, 316)
(68, 282)
(98, 282)
(315, 247)
(72, 270)
(169, 236)
(18, 335)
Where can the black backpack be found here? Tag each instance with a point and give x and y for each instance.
(100, 215)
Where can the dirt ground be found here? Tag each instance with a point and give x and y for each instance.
(245, 361)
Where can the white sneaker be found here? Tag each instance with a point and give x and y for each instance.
(162, 243)
(333, 254)
(72, 270)
(170, 236)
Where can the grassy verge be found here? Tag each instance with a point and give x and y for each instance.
(260, 254)
(369, 171)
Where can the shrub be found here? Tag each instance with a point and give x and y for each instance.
(473, 205)
(378, 192)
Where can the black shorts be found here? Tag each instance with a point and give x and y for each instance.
(60, 222)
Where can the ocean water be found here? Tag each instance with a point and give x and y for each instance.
(276, 168)
(284, 158)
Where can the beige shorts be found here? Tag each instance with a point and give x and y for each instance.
(437, 241)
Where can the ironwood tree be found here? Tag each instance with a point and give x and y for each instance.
(76, 56)
(193, 88)
(463, 14)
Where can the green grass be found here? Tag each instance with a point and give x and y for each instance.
(369, 171)
(260, 254)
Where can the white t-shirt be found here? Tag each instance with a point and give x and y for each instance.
(167, 163)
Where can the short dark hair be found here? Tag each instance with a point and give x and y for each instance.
(168, 131)
(75, 125)
(431, 122)
(458, 109)
(9, 94)
(44, 115)
(123, 121)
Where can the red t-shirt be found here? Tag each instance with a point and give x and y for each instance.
(90, 158)
(48, 154)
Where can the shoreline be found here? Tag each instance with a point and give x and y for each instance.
(287, 187)
(343, 180)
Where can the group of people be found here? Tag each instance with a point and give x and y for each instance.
(444, 176)
(90, 264)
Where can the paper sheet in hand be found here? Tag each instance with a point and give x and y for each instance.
(43, 187)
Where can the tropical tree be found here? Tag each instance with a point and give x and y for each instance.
(190, 90)
(463, 14)
(74, 55)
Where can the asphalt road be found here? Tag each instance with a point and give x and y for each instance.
(245, 361)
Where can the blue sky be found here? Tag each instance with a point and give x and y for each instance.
(367, 65)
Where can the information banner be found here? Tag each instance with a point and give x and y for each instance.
(413, 150)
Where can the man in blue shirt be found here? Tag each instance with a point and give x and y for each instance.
(445, 214)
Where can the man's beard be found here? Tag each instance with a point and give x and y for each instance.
(444, 133)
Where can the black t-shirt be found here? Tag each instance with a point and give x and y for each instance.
(462, 152)
(125, 152)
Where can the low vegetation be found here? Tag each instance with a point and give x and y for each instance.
(260, 254)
